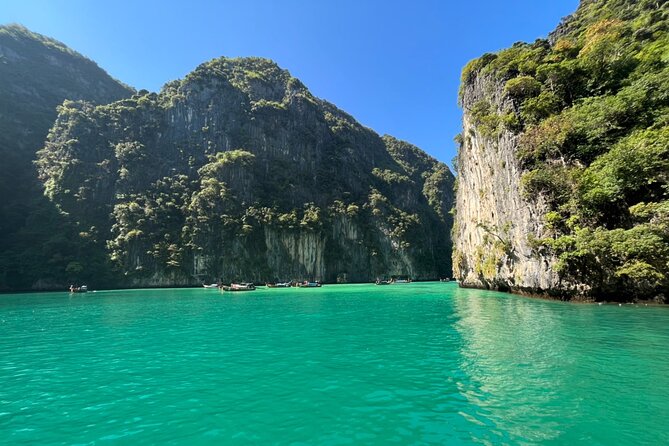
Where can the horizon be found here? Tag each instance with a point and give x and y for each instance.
(414, 99)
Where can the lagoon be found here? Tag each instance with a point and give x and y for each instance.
(423, 363)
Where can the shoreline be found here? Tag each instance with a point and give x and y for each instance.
(575, 299)
(91, 290)
(578, 300)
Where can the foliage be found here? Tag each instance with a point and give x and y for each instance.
(38, 244)
(552, 181)
(536, 109)
(389, 177)
(237, 171)
(522, 87)
(312, 217)
(610, 260)
(474, 67)
(591, 107)
(485, 118)
(635, 170)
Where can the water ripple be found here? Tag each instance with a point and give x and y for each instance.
(416, 364)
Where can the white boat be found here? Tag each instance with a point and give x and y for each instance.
(213, 285)
(279, 285)
(392, 281)
(239, 287)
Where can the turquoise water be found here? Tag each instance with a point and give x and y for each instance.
(349, 364)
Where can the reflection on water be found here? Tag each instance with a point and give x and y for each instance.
(554, 372)
(514, 357)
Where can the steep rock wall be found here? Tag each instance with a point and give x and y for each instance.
(237, 172)
(36, 75)
(494, 223)
(563, 186)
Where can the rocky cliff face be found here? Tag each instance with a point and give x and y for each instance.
(238, 172)
(36, 75)
(562, 185)
(495, 223)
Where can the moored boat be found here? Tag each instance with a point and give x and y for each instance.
(213, 285)
(279, 285)
(239, 287)
(307, 284)
(392, 281)
(78, 289)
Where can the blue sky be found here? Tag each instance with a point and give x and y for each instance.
(394, 65)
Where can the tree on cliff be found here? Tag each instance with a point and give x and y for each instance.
(237, 171)
(589, 109)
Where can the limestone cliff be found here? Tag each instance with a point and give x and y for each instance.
(494, 223)
(37, 74)
(238, 172)
(562, 185)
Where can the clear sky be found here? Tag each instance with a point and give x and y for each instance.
(394, 65)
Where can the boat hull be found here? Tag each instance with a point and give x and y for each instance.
(309, 285)
(278, 285)
(239, 287)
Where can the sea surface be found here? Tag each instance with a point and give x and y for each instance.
(423, 363)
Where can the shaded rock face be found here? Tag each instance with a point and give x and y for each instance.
(237, 172)
(36, 74)
(494, 224)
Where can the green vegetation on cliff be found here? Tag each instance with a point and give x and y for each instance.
(37, 243)
(238, 172)
(590, 106)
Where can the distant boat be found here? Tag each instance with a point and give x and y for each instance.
(239, 287)
(307, 284)
(78, 289)
(213, 285)
(392, 281)
(280, 285)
